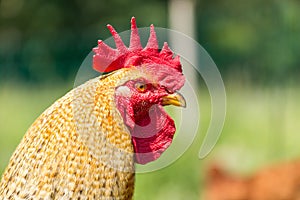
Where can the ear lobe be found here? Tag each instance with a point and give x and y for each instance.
(123, 105)
(123, 91)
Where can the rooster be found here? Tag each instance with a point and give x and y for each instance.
(86, 144)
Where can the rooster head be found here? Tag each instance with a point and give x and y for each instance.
(151, 80)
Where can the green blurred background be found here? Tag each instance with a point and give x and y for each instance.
(255, 44)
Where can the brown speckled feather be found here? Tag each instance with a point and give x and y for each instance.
(79, 148)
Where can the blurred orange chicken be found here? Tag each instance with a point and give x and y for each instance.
(276, 182)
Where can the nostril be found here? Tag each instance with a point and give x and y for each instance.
(169, 91)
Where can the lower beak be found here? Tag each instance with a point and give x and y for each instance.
(175, 99)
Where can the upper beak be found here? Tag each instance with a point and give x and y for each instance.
(175, 99)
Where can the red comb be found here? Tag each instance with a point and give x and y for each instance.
(107, 59)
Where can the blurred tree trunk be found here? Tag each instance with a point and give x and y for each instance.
(182, 19)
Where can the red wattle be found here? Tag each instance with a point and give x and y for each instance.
(151, 140)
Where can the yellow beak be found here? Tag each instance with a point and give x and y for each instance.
(175, 99)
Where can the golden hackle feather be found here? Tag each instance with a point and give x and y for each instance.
(79, 148)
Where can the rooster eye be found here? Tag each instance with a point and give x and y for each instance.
(141, 87)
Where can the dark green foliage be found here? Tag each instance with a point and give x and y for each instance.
(45, 41)
(48, 40)
(260, 38)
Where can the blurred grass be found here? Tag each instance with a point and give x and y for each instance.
(19, 107)
(262, 126)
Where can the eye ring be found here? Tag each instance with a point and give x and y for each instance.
(141, 87)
